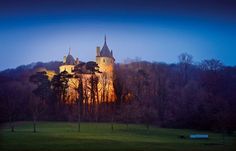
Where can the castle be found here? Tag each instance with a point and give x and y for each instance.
(105, 89)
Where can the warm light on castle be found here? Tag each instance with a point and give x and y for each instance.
(105, 89)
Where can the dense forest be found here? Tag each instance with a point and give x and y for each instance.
(181, 95)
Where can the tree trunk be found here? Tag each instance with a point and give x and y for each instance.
(97, 103)
(148, 126)
(78, 116)
(34, 123)
(127, 118)
(112, 125)
(12, 128)
(112, 118)
(86, 103)
(11, 124)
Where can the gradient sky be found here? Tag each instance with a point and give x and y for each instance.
(37, 30)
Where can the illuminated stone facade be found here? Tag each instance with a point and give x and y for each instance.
(105, 61)
(105, 88)
(49, 73)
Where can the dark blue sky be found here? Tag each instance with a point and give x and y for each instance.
(32, 31)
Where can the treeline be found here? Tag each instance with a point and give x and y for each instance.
(182, 95)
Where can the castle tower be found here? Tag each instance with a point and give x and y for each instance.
(68, 63)
(105, 61)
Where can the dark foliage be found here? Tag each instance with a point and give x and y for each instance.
(180, 95)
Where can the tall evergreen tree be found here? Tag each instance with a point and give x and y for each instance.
(40, 79)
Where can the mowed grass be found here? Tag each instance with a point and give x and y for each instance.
(63, 136)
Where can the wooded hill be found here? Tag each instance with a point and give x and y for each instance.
(182, 95)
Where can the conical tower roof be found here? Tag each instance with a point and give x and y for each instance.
(70, 59)
(105, 52)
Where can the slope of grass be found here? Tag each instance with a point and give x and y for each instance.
(62, 136)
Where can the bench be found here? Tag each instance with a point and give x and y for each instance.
(199, 136)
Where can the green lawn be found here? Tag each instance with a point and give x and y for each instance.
(53, 136)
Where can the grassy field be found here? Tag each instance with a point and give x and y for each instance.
(58, 136)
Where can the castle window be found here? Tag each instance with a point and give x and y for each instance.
(104, 60)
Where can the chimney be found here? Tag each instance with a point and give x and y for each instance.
(77, 61)
(98, 51)
(64, 59)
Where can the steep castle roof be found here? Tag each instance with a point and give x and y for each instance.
(69, 59)
(105, 52)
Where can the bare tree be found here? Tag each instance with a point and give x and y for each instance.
(78, 75)
(185, 61)
(93, 68)
(211, 65)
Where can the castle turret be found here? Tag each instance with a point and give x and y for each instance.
(105, 61)
(68, 63)
(105, 58)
